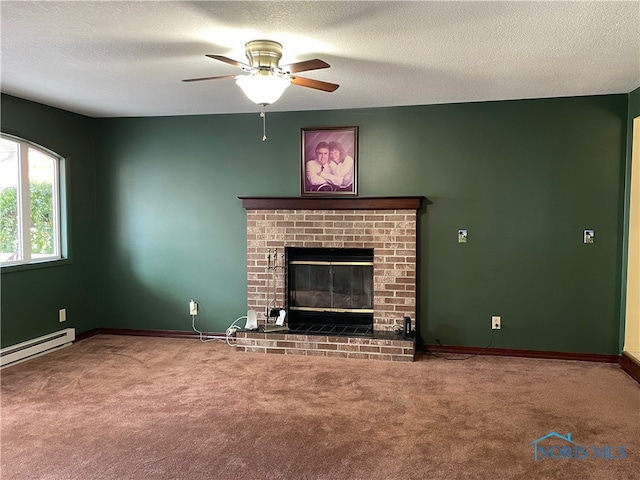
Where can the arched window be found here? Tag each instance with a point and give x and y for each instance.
(29, 203)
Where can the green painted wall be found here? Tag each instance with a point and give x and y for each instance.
(155, 218)
(634, 103)
(524, 177)
(31, 297)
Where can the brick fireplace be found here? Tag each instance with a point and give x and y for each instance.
(387, 225)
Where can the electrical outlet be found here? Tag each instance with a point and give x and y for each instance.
(496, 322)
(62, 315)
(193, 308)
(462, 236)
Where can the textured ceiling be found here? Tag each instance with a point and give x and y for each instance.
(122, 58)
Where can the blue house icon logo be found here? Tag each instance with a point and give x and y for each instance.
(564, 448)
(546, 453)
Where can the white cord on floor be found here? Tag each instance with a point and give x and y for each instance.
(202, 334)
(233, 328)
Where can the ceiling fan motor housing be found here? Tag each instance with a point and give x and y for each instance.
(264, 54)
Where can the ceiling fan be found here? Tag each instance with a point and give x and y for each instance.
(264, 56)
(266, 79)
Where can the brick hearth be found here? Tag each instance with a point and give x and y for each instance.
(394, 349)
(387, 225)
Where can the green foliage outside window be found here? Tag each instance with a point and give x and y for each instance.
(41, 218)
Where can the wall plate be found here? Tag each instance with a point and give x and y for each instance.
(462, 236)
(589, 236)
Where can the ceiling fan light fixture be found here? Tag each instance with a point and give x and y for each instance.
(263, 89)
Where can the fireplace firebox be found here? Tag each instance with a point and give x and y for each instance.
(330, 290)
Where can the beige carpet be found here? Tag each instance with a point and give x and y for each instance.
(116, 407)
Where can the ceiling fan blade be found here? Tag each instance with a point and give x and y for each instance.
(207, 78)
(231, 61)
(305, 66)
(317, 84)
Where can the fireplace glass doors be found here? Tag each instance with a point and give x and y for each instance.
(329, 289)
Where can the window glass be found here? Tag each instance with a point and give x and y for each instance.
(29, 203)
(9, 176)
(41, 181)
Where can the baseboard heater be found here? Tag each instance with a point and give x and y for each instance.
(36, 347)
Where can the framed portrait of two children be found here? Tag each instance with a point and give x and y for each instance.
(329, 161)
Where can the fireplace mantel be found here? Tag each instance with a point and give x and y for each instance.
(333, 203)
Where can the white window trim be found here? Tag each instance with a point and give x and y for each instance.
(24, 205)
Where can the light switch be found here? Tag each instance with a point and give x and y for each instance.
(462, 236)
(588, 236)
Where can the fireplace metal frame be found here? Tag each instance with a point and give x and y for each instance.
(329, 317)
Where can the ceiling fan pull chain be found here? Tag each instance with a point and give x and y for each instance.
(263, 115)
